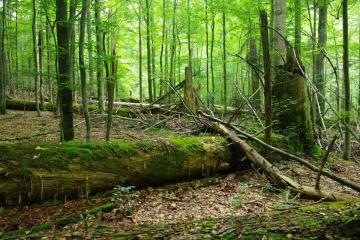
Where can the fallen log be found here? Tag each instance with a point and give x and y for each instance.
(303, 162)
(274, 173)
(14, 104)
(57, 171)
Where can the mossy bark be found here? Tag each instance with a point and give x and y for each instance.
(53, 171)
(292, 108)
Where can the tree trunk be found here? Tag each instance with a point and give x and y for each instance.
(36, 57)
(280, 27)
(267, 76)
(52, 171)
(255, 82)
(347, 142)
(148, 47)
(140, 54)
(48, 55)
(298, 12)
(90, 48)
(65, 85)
(212, 55)
(189, 89)
(3, 61)
(163, 38)
(41, 64)
(84, 98)
(111, 90)
(207, 53)
(225, 97)
(320, 57)
(73, 5)
(99, 51)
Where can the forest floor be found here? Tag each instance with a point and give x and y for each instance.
(196, 209)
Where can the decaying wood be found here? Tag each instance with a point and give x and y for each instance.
(274, 173)
(303, 162)
(41, 172)
(323, 162)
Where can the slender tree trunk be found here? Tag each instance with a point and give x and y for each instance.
(347, 143)
(148, 46)
(207, 53)
(173, 45)
(36, 57)
(41, 64)
(280, 27)
(162, 48)
(267, 77)
(359, 81)
(73, 4)
(189, 94)
(3, 61)
(48, 62)
(17, 45)
(320, 56)
(255, 82)
(90, 48)
(65, 86)
(99, 51)
(298, 12)
(140, 54)
(84, 97)
(225, 101)
(212, 55)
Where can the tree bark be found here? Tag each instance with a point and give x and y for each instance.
(90, 48)
(3, 61)
(148, 47)
(140, 54)
(320, 57)
(36, 57)
(225, 97)
(65, 85)
(84, 98)
(347, 90)
(41, 64)
(280, 27)
(255, 81)
(298, 12)
(48, 55)
(189, 89)
(99, 51)
(267, 76)
(51, 171)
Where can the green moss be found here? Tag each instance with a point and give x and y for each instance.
(316, 151)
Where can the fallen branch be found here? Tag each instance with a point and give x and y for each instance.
(323, 162)
(274, 173)
(303, 162)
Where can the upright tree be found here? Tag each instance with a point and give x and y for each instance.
(36, 57)
(320, 56)
(140, 53)
(3, 60)
(84, 97)
(148, 47)
(347, 142)
(65, 85)
(100, 55)
(225, 100)
(189, 94)
(298, 12)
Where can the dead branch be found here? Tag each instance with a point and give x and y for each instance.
(303, 162)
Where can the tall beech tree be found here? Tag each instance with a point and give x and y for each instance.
(347, 103)
(84, 11)
(65, 90)
(3, 60)
(36, 57)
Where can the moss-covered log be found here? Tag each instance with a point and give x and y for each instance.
(13, 104)
(47, 171)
